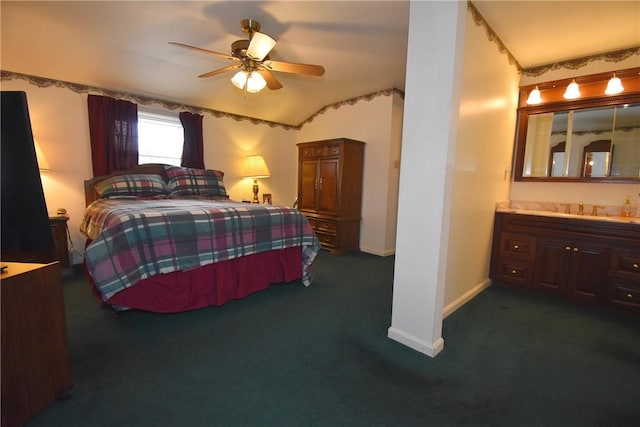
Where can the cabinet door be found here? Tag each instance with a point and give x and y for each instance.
(589, 270)
(576, 268)
(308, 184)
(328, 186)
(552, 267)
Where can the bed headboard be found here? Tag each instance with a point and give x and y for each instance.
(90, 194)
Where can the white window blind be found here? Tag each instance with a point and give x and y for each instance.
(160, 137)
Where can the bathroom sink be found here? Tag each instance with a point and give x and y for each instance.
(541, 212)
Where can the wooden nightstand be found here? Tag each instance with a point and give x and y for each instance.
(60, 251)
(59, 231)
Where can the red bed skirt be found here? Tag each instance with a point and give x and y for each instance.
(213, 284)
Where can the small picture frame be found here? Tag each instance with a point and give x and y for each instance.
(266, 198)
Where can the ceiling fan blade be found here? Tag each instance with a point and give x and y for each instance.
(272, 82)
(199, 49)
(292, 67)
(220, 70)
(260, 46)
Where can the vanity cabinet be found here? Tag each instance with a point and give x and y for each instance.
(330, 190)
(624, 283)
(578, 268)
(516, 256)
(595, 261)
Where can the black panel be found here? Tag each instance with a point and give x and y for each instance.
(25, 221)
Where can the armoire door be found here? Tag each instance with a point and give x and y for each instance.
(328, 190)
(308, 184)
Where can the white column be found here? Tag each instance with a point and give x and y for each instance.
(432, 98)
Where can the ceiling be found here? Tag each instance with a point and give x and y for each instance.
(122, 45)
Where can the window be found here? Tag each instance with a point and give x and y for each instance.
(160, 137)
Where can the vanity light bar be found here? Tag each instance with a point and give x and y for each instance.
(590, 86)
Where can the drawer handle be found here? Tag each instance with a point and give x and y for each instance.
(635, 265)
(516, 247)
(567, 248)
(513, 272)
(630, 296)
(576, 250)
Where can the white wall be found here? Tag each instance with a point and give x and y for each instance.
(489, 98)
(376, 122)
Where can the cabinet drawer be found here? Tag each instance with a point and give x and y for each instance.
(311, 152)
(321, 151)
(515, 272)
(326, 239)
(333, 150)
(326, 226)
(625, 264)
(517, 246)
(628, 296)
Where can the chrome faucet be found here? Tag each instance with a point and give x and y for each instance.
(594, 212)
(581, 208)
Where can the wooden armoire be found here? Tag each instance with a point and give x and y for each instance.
(330, 191)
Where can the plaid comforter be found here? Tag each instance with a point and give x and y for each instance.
(135, 239)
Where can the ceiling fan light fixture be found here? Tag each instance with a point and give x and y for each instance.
(260, 46)
(573, 90)
(255, 82)
(239, 79)
(614, 86)
(534, 97)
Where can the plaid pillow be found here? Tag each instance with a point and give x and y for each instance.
(190, 181)
(132, 186)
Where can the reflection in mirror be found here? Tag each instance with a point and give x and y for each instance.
(596, 159)
(574, 131)
(557, 159)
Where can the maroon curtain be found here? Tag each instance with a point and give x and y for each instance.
(113, 129)
(192, 150)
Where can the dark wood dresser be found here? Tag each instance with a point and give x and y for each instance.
(35, 348)
(330, 176)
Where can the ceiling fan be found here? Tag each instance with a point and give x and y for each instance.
(251, 58)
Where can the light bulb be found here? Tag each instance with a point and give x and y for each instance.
(534, 97)
(239, 79)
(614, 86)
(573, 90)
(255, 82)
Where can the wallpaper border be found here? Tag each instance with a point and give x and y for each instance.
(571, 64)
(44, 82)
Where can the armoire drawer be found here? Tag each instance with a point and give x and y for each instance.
(326, 226)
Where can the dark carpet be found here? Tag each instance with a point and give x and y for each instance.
(320, 356)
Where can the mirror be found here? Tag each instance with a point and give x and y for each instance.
(588, 140)
(596, 159)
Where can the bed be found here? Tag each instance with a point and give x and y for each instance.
(166, 239)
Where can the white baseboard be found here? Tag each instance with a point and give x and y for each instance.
(466, 297)
(430, 349)
(384, 253)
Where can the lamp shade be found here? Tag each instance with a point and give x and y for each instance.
(573, 91)
(614, 86)
(255, 167)
(534, 97)
(43, 164)
(253, 80)
(260, 46)
(239, 79)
